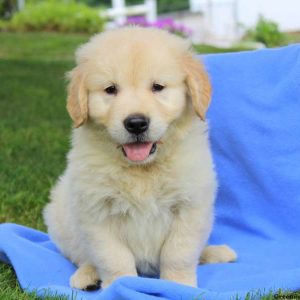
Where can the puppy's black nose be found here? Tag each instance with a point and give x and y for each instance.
(136, 124)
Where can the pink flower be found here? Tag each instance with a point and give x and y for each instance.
(166, 24)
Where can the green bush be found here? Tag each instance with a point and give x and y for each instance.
(266, 32)
(55, 15)
(7, 7)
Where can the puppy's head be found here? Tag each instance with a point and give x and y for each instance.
(135, 83)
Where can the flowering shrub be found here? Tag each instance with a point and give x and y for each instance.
(55, 15)
(166, 24)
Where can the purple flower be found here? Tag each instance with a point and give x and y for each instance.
(166, 24)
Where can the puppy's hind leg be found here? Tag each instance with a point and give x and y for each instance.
(217, 254)
(85, 278)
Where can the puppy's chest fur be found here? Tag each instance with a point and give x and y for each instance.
(146, 192)
(139, 205)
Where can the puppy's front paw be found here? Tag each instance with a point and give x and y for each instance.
(85, 278)
(217, 254)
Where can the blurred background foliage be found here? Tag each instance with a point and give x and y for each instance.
(66, 15)
(163, 6)
(83, 16)
(7, 8)
(52, 15)
(266, 32)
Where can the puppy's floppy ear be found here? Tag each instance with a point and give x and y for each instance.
(198, 84)
(77, 101)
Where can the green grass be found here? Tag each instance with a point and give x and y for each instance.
(39, 46)
(34, 129)
(202, 48)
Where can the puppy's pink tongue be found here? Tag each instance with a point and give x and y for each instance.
(137, 151)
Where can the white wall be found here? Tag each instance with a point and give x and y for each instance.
(285, 12)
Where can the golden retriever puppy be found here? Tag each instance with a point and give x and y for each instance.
(138, 192)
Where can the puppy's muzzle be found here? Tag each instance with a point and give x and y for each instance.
(140, 148)
(136, 124)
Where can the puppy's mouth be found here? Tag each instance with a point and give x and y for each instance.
(138, 151)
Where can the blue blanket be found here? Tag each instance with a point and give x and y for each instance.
(255, 137)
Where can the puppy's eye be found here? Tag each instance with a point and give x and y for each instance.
(111, 90)
(157, 87)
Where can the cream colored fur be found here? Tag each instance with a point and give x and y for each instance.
(110, 216)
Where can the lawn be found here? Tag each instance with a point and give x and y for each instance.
(34, 129)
